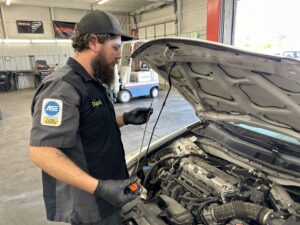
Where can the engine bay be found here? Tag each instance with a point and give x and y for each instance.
(187, 185)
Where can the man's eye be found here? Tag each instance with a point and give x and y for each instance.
(117, 48)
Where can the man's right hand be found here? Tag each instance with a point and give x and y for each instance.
(112, 191)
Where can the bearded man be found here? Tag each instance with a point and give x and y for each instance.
(75, 137)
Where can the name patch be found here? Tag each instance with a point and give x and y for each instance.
(96, 103)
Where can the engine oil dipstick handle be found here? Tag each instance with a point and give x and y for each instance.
(138, 187)
(133, 187)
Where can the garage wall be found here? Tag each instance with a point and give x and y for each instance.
(67, 15)
(1, 25)
(16, 56)
(11, 14)
(194, 14)
(153, 21)
(74, 15)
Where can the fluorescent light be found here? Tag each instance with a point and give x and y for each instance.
(16, 41)
(102, 2)
(34, 41)
(42, 41)
(63, 41)
(7, 2)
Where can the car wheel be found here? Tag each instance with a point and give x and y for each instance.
(154, 92)
(124, 96)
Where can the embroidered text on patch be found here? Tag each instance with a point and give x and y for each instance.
(96, 103)
(51, 112)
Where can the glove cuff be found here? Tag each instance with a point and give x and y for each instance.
(125, 118)
(98, 189)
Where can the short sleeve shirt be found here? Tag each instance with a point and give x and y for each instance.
(71, 112)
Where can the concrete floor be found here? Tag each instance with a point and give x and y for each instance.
(20, 181)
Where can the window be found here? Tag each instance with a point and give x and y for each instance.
(269, 26)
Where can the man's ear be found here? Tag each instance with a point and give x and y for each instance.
(93, 42)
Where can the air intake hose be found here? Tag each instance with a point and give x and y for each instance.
(241, 210)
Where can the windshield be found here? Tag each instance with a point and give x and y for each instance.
(269, 133)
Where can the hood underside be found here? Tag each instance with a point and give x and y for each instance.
(224, 83)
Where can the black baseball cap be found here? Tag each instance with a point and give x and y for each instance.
(101, 22)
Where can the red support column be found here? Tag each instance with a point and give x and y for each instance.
(213, 20)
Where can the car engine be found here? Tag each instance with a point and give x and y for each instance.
(188, 186)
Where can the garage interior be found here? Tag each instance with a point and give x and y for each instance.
(21, 54)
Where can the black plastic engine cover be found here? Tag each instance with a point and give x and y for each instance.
(160, 211)
(137, 212)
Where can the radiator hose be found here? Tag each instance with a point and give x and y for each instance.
(241, 210)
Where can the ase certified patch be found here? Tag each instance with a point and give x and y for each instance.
(51, 112)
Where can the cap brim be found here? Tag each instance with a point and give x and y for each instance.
(125, 37)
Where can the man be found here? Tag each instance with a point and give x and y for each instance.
(75, 137)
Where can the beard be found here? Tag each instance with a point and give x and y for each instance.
(103, 71)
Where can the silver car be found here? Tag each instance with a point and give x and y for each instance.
(239, 165)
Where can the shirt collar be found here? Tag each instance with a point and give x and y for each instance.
(79, 69)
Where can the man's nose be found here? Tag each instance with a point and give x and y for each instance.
(118, 56)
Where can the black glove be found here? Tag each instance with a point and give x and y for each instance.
(137, 116)
(112, 191)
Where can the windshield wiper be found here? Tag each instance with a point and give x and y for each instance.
(272, 144)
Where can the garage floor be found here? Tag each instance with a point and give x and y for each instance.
(20, 182)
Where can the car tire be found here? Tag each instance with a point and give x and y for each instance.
(154, 92)
(124, 96)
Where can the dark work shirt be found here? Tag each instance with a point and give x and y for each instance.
(71, 112)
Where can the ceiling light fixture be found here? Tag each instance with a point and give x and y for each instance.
(63, 41)
(102, 2)
(42, 41)
(35, 41)
(7, 2)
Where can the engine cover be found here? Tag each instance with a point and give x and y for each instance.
(160, 211)
(219, 181)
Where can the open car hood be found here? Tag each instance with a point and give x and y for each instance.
(224, 83)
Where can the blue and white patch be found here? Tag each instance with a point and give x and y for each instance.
(51, 112)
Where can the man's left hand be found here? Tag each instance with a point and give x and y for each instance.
(137, 116)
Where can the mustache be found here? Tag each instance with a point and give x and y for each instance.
(114, 63)
(104, 70)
